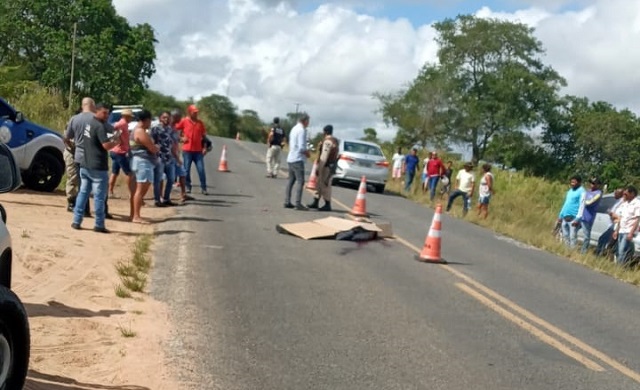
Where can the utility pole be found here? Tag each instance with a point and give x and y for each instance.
(297, 105)
(73, 62)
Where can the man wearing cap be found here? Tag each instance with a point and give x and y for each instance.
(120, 154)
(274, 144)
(587, 211)
(193, 149)
(327, 164)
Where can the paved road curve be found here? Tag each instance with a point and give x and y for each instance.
(258, 310)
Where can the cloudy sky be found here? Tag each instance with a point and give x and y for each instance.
(329, 57)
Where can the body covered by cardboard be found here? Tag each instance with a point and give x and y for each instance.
(330, 227)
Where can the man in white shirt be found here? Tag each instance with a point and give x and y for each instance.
(298, 154)
(629, 212)
(465, 183)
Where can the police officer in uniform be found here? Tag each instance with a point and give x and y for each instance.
(275, 143)
(327, 163)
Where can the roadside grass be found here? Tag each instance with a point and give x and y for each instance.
(523, 208)
(134, 272)
(127, 332)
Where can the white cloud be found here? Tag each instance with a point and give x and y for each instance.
(268, 57)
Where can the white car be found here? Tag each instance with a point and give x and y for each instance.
(360, 158)
(14, 324)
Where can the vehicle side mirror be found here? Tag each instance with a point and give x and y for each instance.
(9, 171)
(19, 117)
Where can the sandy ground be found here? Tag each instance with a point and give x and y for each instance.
(66, 280)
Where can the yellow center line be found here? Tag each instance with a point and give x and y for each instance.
(520, 310)
(542, 336)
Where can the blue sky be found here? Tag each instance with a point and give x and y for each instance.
(421, 12)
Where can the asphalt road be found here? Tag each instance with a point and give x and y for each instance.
(255, 309)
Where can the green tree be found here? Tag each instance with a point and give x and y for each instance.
(499, 81)
(113, 60)
(419, 111)
(155, 102)
(489, 80)
(219, 115)
(251, 126)
(370, 135)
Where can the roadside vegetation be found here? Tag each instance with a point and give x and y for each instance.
(489, 92)
(134, 272)
(524, 208)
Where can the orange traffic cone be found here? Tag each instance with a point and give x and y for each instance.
(238, 136)
(431, 250)
(360, 206)
(222, 167)
(313, 178)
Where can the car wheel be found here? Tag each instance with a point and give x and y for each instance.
(14, 341)
(379, 189)
(45, 173)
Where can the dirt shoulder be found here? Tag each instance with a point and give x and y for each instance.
(82, 335)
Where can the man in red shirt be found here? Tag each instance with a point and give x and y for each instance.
(193, 149)
(435, 169)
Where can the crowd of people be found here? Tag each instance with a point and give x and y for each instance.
(149, 157)
(434, 171)
(579, 212)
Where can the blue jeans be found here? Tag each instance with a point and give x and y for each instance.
(296, 176)
(198, 159)
(169, 169)
(586, 231)
(409, 179)
(465, 199)
(433, 184)
(570, 233)
(625, 248)
(96, 181)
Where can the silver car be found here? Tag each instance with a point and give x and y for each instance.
(360, 158)
(602, 222)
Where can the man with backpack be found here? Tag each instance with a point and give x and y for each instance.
(275, 142)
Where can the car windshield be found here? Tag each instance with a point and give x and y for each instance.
(356, 147)
(116, 116)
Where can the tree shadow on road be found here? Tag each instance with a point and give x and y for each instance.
(57, 309)
(40, 381)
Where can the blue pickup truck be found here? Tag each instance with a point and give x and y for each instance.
(14, 323)
(36, 149)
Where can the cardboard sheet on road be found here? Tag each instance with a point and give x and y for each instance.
(326, 227)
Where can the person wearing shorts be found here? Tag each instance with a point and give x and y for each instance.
(120, 154)
(144, 153)
(485, 191)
